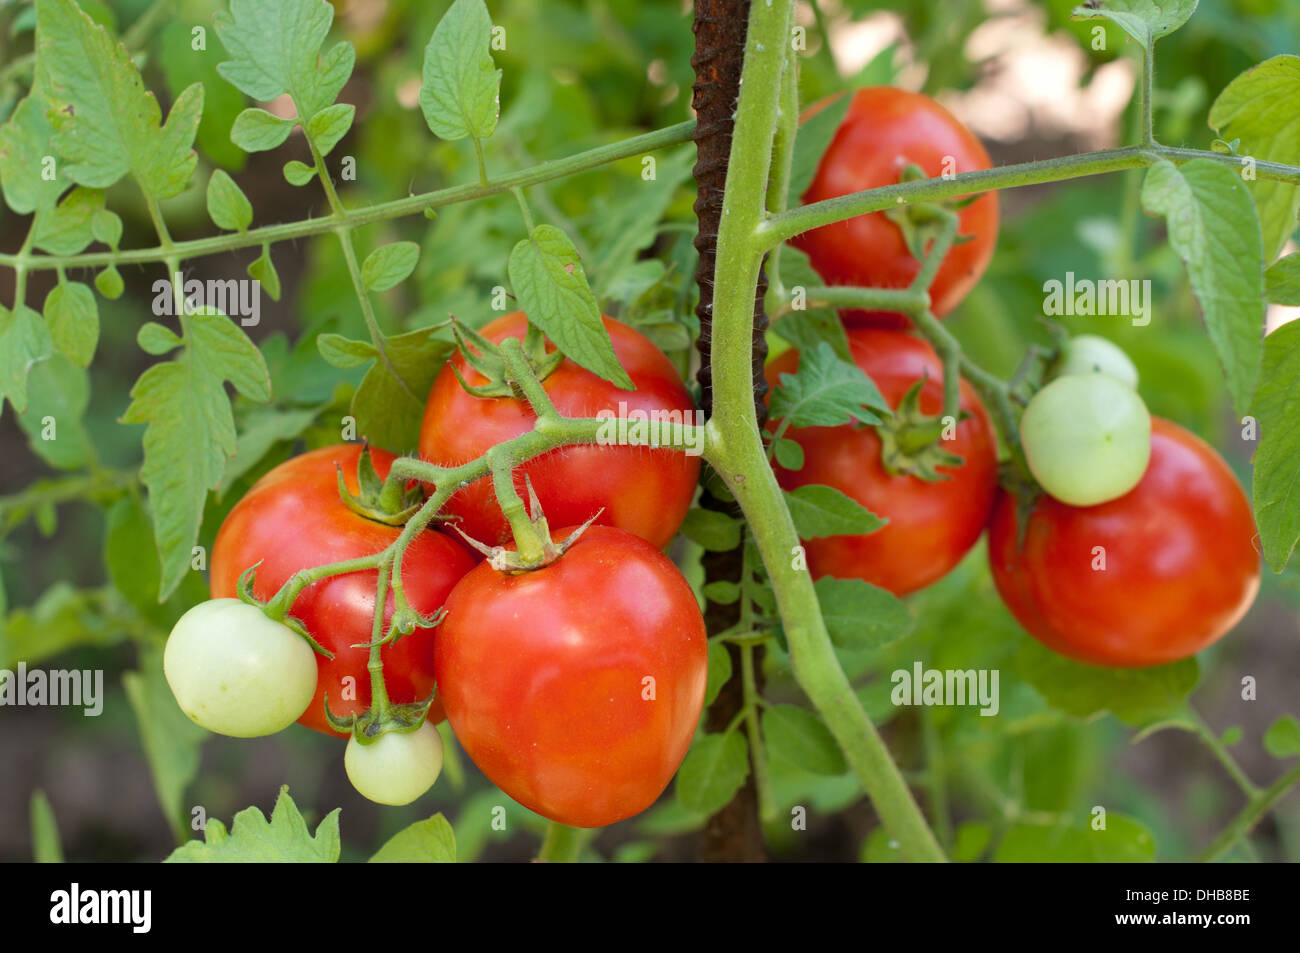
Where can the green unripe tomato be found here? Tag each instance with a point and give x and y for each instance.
(1087, 438)
(397, 767)
(1091, 354)
(236, 672)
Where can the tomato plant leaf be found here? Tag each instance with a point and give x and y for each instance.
(719, 671)
(632, 222)
(256, 130)
(826, 392)
(714, 769)
(31, 178)
(1282, 281)
(274, 47)
(252, 838)
(859, 615)
(804, 328)
(1214, 229)
(552, 289)
(65, 228)
(24, 340)
(430, 841)
(260, 432)
(788, 453)
(802, 738)
(330, 125)
(1144, 20)
(181, 67)
(1282, 739)
(190, 430)
(262, 270)
(389, 265)
(72, 317)
(228, 206)
(58, 393)
(1261, 107)
(63, 618)
(825, 511)
(1276, 481)
(171, 741)
(343, 352)
(389, 403)
(1136, 696)
(106, 123)
(1123, 840)
(298, 173)
(711, 529)
(461, 90)
(814, 138)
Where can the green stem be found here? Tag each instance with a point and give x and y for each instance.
(1146, 95)
(411, 205)
(1258, 806)
(736, 450)
(1225, 758)
(524, 209)
(936, 780)
(379, 703)
(757, 750)
(562, 844)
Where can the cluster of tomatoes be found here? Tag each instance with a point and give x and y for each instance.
(1134, 543)
(577, 686)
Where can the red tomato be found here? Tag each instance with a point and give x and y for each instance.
(1180, 565)
(884, 130)
(931, 524)
(293, 519)
(576, 688)
(644, 491)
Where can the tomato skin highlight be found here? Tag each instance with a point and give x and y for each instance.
(1181, 564)
(885, 130)
(541, 674)
(931, 524)
(293, 519)
(644, 491)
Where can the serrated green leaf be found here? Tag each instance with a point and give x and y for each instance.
(256, 130)
(802, 738)
(1144, 20)
(814, 138)
(26, 154)
(430, 841)
(106, 123)
(719, 671)
(106, 226)
(190, 430)
(73, 319)
(389, 409)
(460, 92)
(1123, 841)
(552, 290)
(46, 845)
(263, 271)
(171, 741)
(389, 265)
(714, 531)
(252, 838)
(1261, 107)
(1282, 739)
(1213, 226)
(330, 125)
(1137, 696)
(228, 206)
(343, 352)
(65, 228)
(826, 392)
(182, 66)
(298, 173)
(1276, 481)
(1282, 281)
(825, 511)
(274, 49)
(58, 392)
(24, 340)
(859, 615)
(714, 770)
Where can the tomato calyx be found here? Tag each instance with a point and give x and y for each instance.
(486, 358)
(1025, 491)
(504, 559)
(372, 724)
(911, 441)
(922, 222)
(383, 501)
(244, 588)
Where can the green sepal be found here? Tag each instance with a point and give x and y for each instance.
(485, 358)
(911, 441)
(368, 727)
(378, 501)
(245, 590)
